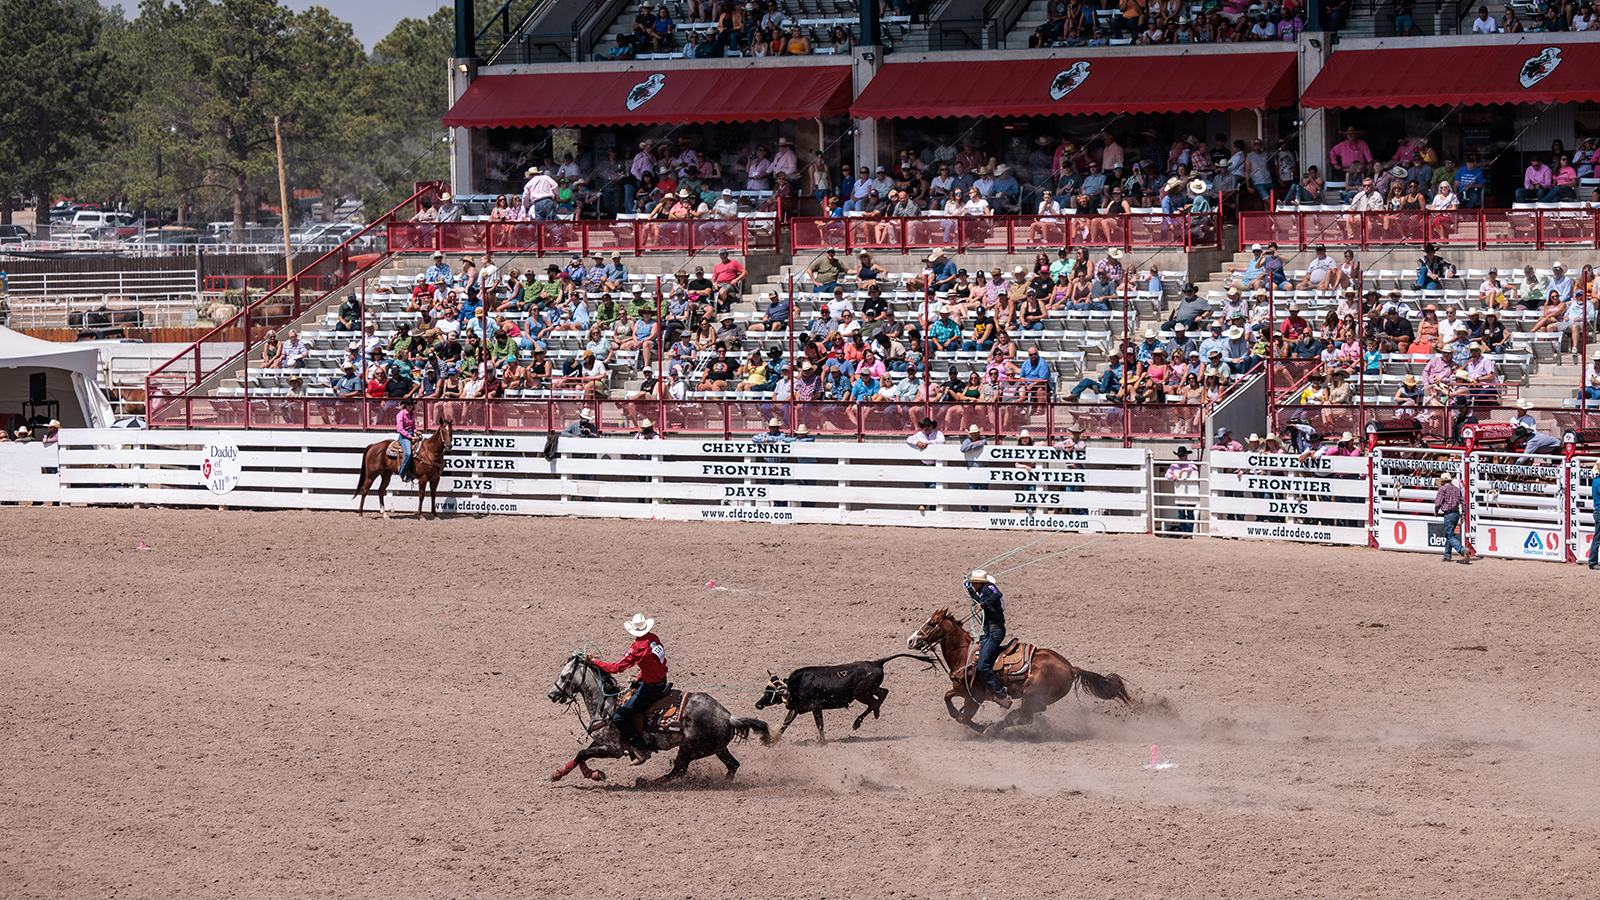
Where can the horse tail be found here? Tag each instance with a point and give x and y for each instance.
(1107, 687)
(361, 476)
(743, 726)
(920, 658)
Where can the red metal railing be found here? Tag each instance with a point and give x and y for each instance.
(1008, 233)
(1436, 422)
(725, 418)
(630, 236)
(1476, 228)
(317, 281)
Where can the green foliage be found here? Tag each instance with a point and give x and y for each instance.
(175, 109)
(60, 93)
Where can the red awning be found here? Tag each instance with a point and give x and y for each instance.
(1532, 71)
(645, 97)
(1079, 86)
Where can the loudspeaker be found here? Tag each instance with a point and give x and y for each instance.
(36, 387)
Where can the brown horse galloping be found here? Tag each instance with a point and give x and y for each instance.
(427, 463)
(1049, 679)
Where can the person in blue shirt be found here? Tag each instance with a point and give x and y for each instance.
(1108, 384)
(615, 276)
(1037, 376)
(1594, 500)
(439, 274)
(1469, 184)
(944, 271)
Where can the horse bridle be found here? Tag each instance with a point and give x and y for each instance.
(930, 646)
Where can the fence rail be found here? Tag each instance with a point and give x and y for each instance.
(723, 418)
(1476, 228)
(1009, 233)
(635, 236)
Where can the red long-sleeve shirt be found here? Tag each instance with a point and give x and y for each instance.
(646, 653)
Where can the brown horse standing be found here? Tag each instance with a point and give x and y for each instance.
(427, 463)
(1049, 679)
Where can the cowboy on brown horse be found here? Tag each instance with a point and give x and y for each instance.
(986, 596)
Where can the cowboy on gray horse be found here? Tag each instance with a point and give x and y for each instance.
(651, 658)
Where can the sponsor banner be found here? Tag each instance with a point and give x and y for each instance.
(1518, 506)
(1276, 496)
(1580, 505)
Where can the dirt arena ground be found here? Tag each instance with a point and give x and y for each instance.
(304, 705)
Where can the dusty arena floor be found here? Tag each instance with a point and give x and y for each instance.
(300, 705)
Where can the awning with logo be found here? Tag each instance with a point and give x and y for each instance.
(1529, 71)
(643, 97)
(1067, 85)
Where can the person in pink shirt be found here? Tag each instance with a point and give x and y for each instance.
(1564, 182)
(1535, 181)
(1351, 156)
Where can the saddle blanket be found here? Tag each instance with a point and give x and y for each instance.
(665, 714)
(1013, 665)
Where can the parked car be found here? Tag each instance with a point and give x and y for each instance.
(14, 234)
(105, 225)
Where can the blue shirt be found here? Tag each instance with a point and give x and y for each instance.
(1471, 176)
(438, 273)
(1036, 370)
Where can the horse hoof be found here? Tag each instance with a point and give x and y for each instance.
(597, 775)
(555, 775)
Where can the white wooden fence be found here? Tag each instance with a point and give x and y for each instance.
(1537, 508)
(742, 480)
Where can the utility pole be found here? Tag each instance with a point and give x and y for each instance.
(283, 200)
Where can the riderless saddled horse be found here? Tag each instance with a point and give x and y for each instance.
(427, 463)
(1037, 677)
(695, 723)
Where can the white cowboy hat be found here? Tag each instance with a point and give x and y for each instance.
(639, 626)
(646, 424)
(785, 142)
(532, 171)
(1346, 438)
(974, 429)
(444, 197)
(774, 422)
(1234, 333)
(586, 414)
(802, 429)
(1524, 404)
(981, 575)
(1197, 187)
(937, 254)
(1114, 253)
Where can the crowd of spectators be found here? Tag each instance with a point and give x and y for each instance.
(1418, 176)
(748, 29)
(1076, 23)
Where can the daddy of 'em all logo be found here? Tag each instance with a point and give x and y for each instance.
(644, 90)
(1069, 80)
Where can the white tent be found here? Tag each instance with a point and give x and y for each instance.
(71, 377)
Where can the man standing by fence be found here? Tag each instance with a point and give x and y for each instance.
(1448, 502)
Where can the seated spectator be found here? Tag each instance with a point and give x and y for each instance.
(776, 317)
(1536, 180)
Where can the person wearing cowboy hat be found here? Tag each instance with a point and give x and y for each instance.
(405, 427)
(449, 210)
(1351, 157)
(539, 194)
(583, 427)
(972, 446)
(1432, 269)
(987, 598)
(784, 160)
(650, 656)
(1448, 503)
